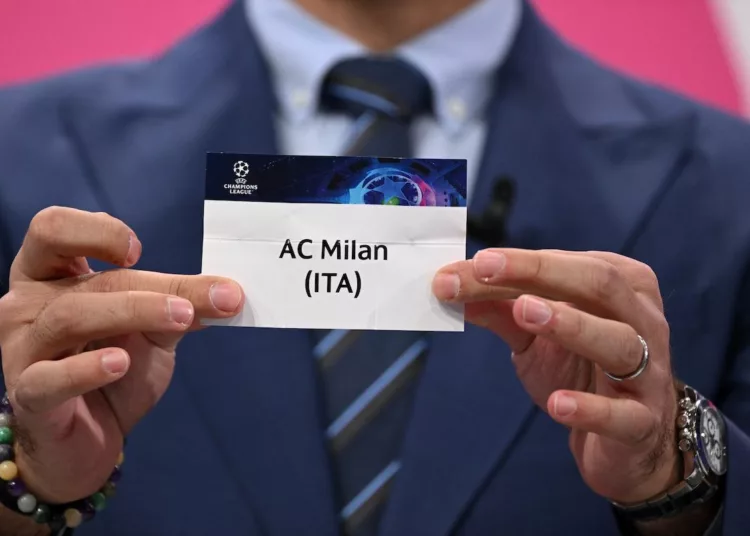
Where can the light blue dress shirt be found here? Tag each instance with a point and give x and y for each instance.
(459, 57)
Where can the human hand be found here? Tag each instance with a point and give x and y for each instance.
(86, 355)
(568, 317)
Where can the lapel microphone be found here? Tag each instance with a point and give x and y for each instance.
(491, 226)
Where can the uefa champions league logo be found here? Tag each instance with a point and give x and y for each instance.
(241, 169)
(389, 186)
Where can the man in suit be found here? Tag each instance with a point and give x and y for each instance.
(560, 410)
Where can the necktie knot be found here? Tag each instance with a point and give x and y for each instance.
(384, 86)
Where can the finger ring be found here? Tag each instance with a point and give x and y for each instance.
(641, 367)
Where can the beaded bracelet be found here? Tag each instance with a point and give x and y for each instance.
(16, 497)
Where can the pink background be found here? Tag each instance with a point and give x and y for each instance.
(673, 42)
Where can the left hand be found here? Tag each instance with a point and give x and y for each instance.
(567, 317)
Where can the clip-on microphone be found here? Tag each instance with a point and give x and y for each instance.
(491, 226)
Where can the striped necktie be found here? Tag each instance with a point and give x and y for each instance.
(369, 378)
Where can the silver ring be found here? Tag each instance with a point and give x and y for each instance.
(641, 367)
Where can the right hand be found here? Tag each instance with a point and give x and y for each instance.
(86, 355)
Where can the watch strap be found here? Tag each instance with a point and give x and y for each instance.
(695, 489)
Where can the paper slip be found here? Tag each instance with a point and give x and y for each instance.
(335, 242)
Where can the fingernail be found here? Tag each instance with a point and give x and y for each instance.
(134, 249)
(489, 264)
(565, 406)
(115, 362)
(180, 311)
(81, 267)
(446, 286)
(225, 297)
(536, 311)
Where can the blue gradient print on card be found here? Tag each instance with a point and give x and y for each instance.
(336, 180)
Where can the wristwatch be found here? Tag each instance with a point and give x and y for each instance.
(701, 438)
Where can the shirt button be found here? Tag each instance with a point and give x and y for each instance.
(300, 98)
(457, 109)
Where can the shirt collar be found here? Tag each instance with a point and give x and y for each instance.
(300, 50)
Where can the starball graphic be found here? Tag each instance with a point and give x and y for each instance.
(392, 186)
(241, 169)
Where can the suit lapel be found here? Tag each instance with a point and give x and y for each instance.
(254, 390)
(585, 179)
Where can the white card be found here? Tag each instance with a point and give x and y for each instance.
(335, 242)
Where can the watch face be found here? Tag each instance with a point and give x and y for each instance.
(711, 440)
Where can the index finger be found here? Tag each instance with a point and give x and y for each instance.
(588, 282)
(211, 296)
(59, 239)
(640, 276)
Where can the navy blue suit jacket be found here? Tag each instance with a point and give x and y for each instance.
(236, 447)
